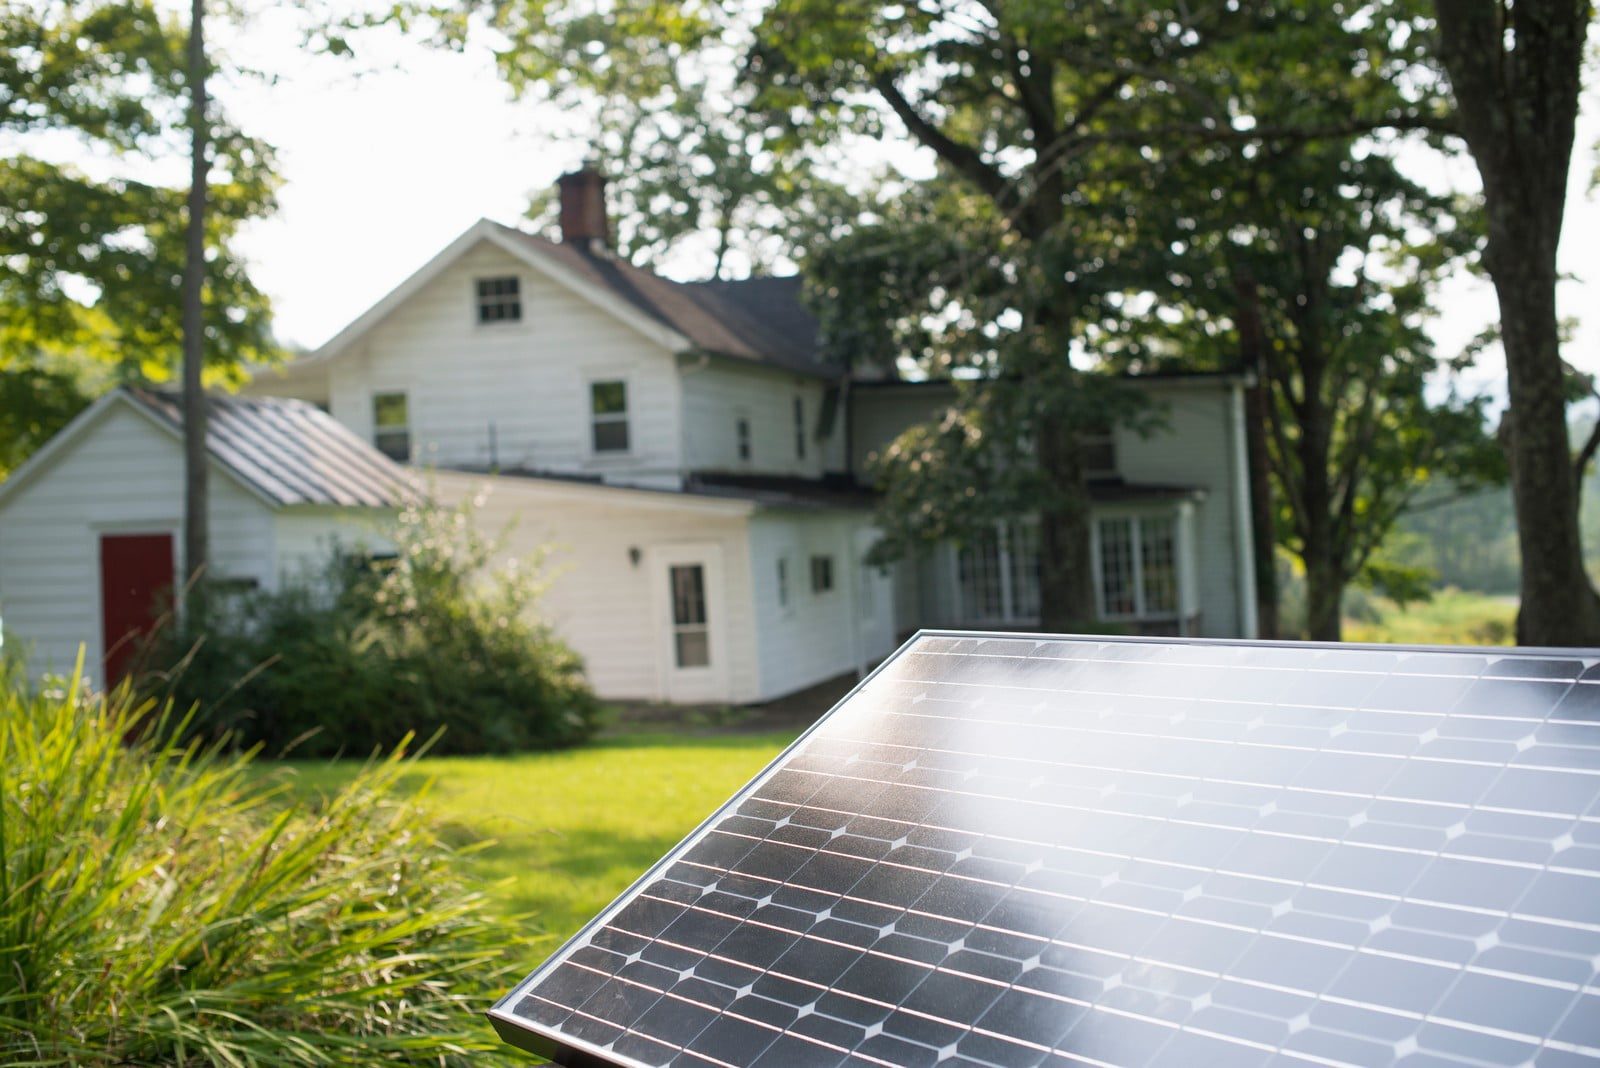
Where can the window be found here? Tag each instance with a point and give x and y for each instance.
(983, 582)
(1099, 450)
(783, 582)
(500, 299)
(691, 637)
(1138, 566)
(743, 430)
(608, 410)
(391, 425)
(821, 574)
(799, 428)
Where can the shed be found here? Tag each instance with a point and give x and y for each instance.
(91, 525)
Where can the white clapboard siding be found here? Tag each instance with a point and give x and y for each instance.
(307, 537)
(516, 394)
(123, 475)
(718, 393)
(815, 636)
(1200, 444)
(597, 598)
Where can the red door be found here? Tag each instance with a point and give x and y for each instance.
(135, 578)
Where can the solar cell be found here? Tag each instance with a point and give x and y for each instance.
(1023, 850)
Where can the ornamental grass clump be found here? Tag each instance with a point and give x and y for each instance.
(165, 903)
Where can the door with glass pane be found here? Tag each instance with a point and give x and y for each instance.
(689, 609)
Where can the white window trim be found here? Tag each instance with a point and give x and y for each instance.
(498, 324)
(587, 404)
(1176, 514)
(410, 424)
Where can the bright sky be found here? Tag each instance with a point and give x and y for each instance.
(383, 169)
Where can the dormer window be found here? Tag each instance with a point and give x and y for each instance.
(500, 299)
(608, 415)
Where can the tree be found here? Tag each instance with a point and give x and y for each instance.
(196, 522)
(1323, 255)
(90, 261)
(1515, 69)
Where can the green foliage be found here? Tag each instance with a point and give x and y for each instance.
(161, 903)
(354, 657)
(91, 256)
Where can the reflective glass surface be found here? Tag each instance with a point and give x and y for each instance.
(1017, 852)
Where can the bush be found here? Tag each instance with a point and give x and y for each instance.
(360, 654)
(164, 904)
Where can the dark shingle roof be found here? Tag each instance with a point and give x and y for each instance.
(292, 452)
(759, 319)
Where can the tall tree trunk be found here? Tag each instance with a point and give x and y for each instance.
(195, 531)
(1066, 572)
(1263, 529)
(1515, 71)
(1324, 600)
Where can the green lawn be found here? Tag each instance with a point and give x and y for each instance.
(558, 835)
(1452, 617)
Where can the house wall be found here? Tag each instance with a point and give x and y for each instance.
(817, 636)
(124, 475)
(528, 380)
(1201, 444)
(304, 538)
(716, 393)
(597, 598)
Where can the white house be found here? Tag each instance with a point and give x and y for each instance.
(90, 526)
(696, 469)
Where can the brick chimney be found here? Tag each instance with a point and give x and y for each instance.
(583, 209)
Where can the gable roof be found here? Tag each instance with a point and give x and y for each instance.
(288, 451)
(759, 321)
(284, 452)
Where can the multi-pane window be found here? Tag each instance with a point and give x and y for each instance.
(982, 579)
(821, 574)
(799, 428)
(500, 299)
(1138, 566)
(742, 428)
(691, 636)
(391, 425)
(608, 413)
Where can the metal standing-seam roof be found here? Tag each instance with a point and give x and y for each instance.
(290, 451)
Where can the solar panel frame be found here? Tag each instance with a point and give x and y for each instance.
(574, 1051)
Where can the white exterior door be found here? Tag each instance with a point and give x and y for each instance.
(691, 620)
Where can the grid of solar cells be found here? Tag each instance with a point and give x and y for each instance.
(1012, 852)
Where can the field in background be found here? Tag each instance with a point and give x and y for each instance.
(1453, 617)
(556, 836)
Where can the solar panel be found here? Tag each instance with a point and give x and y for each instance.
(1015, 851)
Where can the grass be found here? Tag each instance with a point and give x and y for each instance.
(559, 835)
(1452, 617)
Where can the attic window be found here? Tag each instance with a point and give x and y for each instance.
(391, 425)
(500, 299)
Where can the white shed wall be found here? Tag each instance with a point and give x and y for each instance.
(125, 475)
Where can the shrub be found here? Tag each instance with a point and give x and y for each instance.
(359, 654)
(163, 903)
